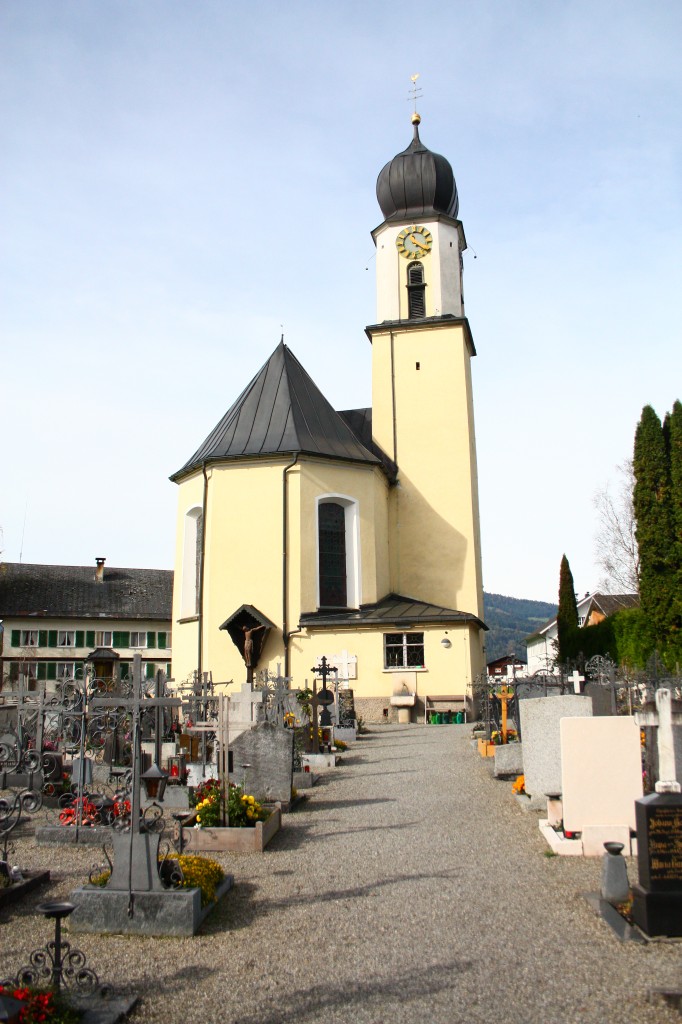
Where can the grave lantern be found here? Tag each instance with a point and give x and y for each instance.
(154, 781)
(176, 768)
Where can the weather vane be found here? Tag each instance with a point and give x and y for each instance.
(414, 94)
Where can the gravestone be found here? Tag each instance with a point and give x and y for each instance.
(601, 777)
(268, 753)
(657, 899)
(540, 718)
(508, 760)
(246, 709)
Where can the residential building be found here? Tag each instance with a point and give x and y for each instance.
(58, 618)
(592, 608)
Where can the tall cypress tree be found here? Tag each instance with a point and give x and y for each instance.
(567, 615)
(674, 443)
(653, 512)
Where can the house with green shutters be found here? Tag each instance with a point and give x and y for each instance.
(59, 619)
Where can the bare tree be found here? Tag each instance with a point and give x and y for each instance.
(616, 551)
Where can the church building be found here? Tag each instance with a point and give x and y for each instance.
(303, 531)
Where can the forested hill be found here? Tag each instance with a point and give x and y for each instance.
(511, 619)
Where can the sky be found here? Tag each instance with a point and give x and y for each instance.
(185, 181)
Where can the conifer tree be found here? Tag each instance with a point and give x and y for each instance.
(567, 615)
(653, 512)
(674, 443)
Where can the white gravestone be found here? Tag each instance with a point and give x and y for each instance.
(601, 777)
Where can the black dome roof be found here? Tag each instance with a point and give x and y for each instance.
(417, 183)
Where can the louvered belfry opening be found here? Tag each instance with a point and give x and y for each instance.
(416, 291)
(332, 545)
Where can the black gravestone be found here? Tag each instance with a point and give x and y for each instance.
(657, 900)
(346, 709)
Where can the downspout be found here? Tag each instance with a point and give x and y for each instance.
(200, 602)
(393, 411)
(285, 572)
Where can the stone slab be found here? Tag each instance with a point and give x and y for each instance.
(198, 773)
(594, 837)
(69, 834)
(558, 843)
(601, 772)
(658, 914)
(30, 881)
(268, 751)
(508, 759)
(344, 734)
(540, 718)
(319, 761)
(173, 912)
(305, 780)
(103, 1009)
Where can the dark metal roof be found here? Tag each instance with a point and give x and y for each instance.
(417, 184)
(609, 604)
(247, 611)
(282, 411)
(392, 610)
(360, 422)
(431, 322)
(70, 591)
(103, 654)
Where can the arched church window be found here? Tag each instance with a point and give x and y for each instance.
(191, 561)
(331, 519)
(416, 291)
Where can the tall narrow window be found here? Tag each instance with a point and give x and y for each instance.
(191, 562)
(416, 291)
(332, 546)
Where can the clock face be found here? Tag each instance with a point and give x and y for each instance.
(414, 242)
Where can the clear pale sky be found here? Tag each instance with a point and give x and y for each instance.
(184, 180)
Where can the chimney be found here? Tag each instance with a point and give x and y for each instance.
(99, 571)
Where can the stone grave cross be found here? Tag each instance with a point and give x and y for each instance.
(325, 696)
(136, 854)
(664, 718)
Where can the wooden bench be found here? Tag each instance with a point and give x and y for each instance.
(458, 699)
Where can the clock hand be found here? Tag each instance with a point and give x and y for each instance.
(416, 242)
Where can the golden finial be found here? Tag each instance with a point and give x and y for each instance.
(414, 94)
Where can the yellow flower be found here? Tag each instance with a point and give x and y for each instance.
(198, 817)
(251, 800)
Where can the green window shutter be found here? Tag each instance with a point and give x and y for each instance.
(16, 638)
(162, 640)
(52, 670)
(121, 639)
(90, 638)
(52, 639)
(42, 638)
(168, 669)
(124, 667)
(80, 638)
(42, 670)
(151, 639)
(150, 670)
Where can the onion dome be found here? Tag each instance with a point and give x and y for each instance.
(417, 183)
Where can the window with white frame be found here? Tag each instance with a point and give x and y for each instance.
(338, 552)
(103, 638)
(66, 638)
(403, 650)
(138, 639)
(28, 638)
(191, 562)
(66, 670)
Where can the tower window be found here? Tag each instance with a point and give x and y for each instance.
(416, 291)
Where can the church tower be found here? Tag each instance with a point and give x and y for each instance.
(422, 403)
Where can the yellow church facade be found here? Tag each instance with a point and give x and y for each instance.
(303, 531)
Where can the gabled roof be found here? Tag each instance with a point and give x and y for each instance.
(281, 412)
(608, 604)
(392, 610)
(71, 591)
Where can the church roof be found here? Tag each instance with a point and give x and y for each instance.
(417, 183)
(392, 610)
(281, 412)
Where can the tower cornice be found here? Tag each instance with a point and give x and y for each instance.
(427, 323)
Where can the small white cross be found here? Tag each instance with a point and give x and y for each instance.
(576, 679)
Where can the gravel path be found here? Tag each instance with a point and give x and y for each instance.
(409, 888)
